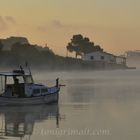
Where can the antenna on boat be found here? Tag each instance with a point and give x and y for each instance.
(21, 68)
(27, 66)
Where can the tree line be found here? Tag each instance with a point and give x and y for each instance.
(20, 53)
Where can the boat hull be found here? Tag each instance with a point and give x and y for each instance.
(49, 98)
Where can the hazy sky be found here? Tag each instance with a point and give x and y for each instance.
(113, 24)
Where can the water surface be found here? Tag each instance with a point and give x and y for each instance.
(102, 105)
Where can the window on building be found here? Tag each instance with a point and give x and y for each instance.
(102, 57)
(92, 57)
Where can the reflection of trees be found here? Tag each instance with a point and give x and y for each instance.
(19, 121)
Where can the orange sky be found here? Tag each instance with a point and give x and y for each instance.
(113, 24)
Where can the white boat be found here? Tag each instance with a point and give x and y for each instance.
(18, 88)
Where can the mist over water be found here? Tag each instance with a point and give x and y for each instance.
(98, 105)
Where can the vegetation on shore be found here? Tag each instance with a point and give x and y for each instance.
(44, 58)
(82, 45)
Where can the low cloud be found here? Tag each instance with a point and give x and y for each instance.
(10, 19)
(6, 22)
(55, 24)
(42, 28)
(3, 24)
(58, 24)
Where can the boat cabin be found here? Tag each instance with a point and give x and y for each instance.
(13, 84)
(21, 85)
(18, 88)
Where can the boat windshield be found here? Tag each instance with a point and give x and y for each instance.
(11, 80)
(28, 79)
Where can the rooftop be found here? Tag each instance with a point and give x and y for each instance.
(13, 74)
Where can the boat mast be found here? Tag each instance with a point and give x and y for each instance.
(5, 82)
(29, 71)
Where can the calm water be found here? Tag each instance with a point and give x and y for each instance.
(102, 105)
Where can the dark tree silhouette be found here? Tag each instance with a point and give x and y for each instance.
(32, 53)
(24, 49)
(1, 46)
(81, 45)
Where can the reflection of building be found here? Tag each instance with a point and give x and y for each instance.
(99, 56)
(19, 121)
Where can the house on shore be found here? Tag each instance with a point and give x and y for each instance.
(133, 58)
(104, 57)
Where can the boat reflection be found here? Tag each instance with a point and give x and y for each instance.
(19, 121)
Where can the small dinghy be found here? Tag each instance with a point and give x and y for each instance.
(18, 88)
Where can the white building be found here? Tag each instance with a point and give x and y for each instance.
(99, 56)
(133, 53)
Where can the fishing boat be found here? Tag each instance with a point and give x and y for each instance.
(18, 88)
